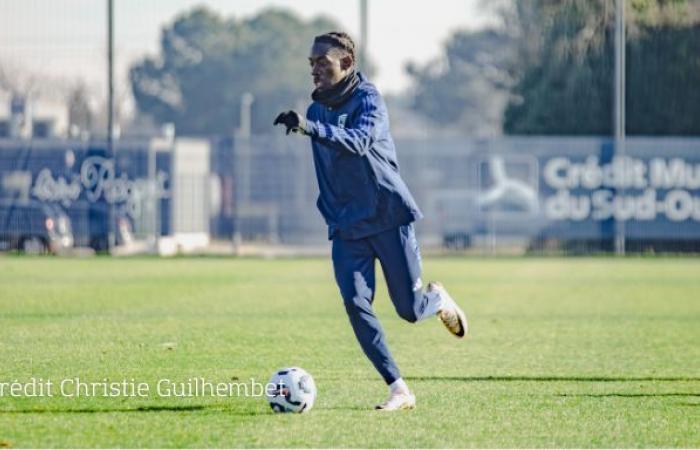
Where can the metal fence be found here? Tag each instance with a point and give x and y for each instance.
(530, 193)
(525, 194)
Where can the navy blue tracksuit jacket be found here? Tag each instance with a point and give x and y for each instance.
(358, 175)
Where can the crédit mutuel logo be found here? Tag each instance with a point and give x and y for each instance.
(76, 387)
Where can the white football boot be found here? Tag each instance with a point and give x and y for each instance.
(398, 400)
(450, 313)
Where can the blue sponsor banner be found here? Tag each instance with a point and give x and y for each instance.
(579, 187)
(83, 179)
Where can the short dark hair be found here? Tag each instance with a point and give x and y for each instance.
(338, 39)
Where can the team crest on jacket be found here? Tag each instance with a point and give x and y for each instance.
(341, 120)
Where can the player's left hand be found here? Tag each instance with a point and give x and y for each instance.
(292, 120)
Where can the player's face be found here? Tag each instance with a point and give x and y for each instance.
(329, 65)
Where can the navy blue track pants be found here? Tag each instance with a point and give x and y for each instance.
(353, 262)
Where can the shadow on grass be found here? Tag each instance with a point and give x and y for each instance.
(349, 408)
(634, 395)
(140, 409)
(105, 410)
(550, 378)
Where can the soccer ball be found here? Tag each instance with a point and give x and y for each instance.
(291, 390)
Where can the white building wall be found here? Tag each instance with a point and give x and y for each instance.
(191, 196)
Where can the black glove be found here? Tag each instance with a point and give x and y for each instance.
(292, 120)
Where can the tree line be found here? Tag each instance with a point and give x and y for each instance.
(546, 69)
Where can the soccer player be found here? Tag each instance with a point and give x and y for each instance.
(367, 206)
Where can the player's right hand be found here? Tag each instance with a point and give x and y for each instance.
(292, 120)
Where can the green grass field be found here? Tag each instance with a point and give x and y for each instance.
(562, 353)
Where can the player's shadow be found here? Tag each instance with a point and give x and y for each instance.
(151, 408)
(635, 395)
(547, 378)
(140, 409)
(347, 408)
